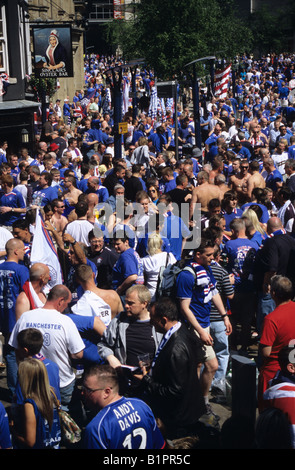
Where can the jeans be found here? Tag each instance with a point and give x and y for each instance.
(11, 367)
(265, 305)
(66, 394)
(71, 402)
(243, 307)
(220, 346)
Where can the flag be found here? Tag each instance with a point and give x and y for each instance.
(221, 82)
(125, 102)
(153, 108)
(43, 251)
(118, 11)
(4, 83)
(108, 100)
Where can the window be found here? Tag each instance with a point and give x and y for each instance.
(3, 42)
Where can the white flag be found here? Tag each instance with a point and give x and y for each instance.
(43, 251)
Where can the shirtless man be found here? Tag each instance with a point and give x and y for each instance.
(71, 192)
(32, 295)
(92, 200)
(220, 182)
(203, 193)
(86, 278)
(217, 168)
(255, 180)
(238, 182)
(58, 220)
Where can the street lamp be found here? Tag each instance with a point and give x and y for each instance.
(24, 136)
(117, 75)
(196, 99)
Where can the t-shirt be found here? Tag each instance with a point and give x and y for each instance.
(127, 265)
(5, 235)
(79, 230)
(224, 287)
(199, 290)
(104, 262)
(139, 337)
(90, 304)
(128, 423)
(53, 376)
(265, 213)
(12, 278)
(175, 230)
(15, 200)
(101, 191)
(239, 252)
(90, 338)
(273, 178)
(236, 213)
(5, 439)
(278, 330)
(151, 269)
(178, 196)
(61, 338)
(46, 194)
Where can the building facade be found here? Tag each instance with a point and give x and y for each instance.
(16, 107)
(63, 12)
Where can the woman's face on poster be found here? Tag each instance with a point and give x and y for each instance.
(52, 41)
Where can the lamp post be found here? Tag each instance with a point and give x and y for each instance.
(24, 136)
(196, 98)
(117, 75)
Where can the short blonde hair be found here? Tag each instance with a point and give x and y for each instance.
(143, 293)
(155, 243)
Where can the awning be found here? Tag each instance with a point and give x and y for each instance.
(15, 105)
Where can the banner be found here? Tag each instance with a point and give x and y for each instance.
(53, 55)
(118, 10)
(43, 251)
(221, 82)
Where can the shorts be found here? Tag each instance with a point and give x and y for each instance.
(209, 352)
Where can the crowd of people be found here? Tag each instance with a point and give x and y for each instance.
(133, 364)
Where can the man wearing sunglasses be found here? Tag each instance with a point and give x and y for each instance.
(121, 423)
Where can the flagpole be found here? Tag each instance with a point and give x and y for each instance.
(196, 99)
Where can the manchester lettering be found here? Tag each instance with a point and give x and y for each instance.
(44, 326)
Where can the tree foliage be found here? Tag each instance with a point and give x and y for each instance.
(172, 33)
(270, 30)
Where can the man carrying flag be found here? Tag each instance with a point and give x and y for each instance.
(43, 251)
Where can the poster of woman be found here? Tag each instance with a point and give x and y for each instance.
(53, 51)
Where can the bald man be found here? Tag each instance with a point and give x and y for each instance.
(92, 201)
(13, 276)
(93, 186)
(32, 295)
(62, 340)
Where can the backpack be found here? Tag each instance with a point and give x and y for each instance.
(166, 286)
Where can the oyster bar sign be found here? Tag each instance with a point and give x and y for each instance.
(53, 56)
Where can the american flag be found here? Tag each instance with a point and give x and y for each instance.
(221, 82)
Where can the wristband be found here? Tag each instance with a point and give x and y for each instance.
(223, 316)
(74, 243)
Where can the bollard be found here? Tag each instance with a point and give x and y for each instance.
(244, 400)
